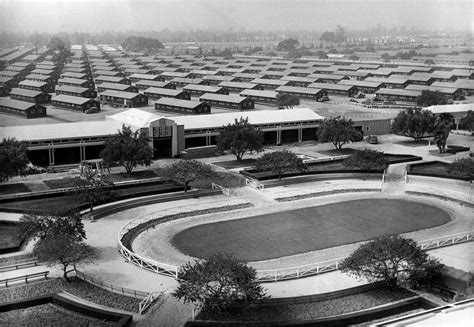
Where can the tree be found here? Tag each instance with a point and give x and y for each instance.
(186, 171)
(287, 45)
(279, 162)
(138, 43)
(239, 138)
(442, 130)
(467, 122)
(393, 259)
(414, 123)
(287, 101)
(64, 250)
(430, 98)
(338, 131)
(328, 37)
(13, 159)
(367, 160)
(218, 283)
(462, 167)
(354, 58)
(340, 34)
(49, 225)
(93, 188)
(429, 62)
(385, 57)
(128, 149)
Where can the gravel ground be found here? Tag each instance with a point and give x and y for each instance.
(48, 315)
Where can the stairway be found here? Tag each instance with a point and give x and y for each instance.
(394, 179)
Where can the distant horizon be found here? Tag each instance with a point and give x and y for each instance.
(87, 16)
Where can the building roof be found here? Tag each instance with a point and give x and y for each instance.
(70, 80)
(222, 97)
(144, 76)
(238, 84)
(73, 89)
(25, 92)
(204, 88)
(109, 78)
(187, 80)
(163, 91)
(302, 90)
(400, 92)
(134, 117)
(70, 99)
(331, 86)
(255, 117)
(74, 75)
(61, 130)
(114, 86)
(178, 102)
(33, 83)
(38, 77)
(266, 81)
(120, 94)
(259, 93)
(446, 90)
(151, 83)
(451, 108)
(22, 105)
(361, 83)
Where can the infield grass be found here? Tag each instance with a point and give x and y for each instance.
(308, 229)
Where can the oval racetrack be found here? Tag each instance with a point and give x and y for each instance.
(309, 229)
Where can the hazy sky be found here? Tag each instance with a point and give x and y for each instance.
(122, 15)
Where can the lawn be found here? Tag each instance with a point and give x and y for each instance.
(7, 189)
(9, 236)
(308, 229)
(235, 164)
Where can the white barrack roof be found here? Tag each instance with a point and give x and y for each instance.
(256, 117)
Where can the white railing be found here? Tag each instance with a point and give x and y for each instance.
(448, 193)
(315, 191)
(442, 241)
(150, 298)
(274, 275)
(153, 265)
(254, 183)
(225, 191)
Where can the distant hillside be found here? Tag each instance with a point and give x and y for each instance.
(138, 43)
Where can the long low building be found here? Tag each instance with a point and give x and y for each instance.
(452, 93)
(303, 92)
(227, 101)
(74, 91)
(74, 103)
(21, 109)
(144, 84)
(186, 107)
(123, 99)
(339, 89)
(198, 90)
(33, 96)
(399, 94)
(116, 87)
(37, 86)
(158, 93)
(259, 96)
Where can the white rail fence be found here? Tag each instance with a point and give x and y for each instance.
(224, 190)
(457, 190)
(254, 183)
(274, 275)
(150, 298)
(161, 267)
(323, 189)
(439, 242)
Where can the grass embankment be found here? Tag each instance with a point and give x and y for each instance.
(77, 287)
(315, 310)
